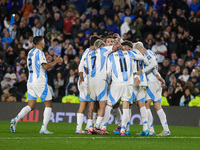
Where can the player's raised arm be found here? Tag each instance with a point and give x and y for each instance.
(52, 64)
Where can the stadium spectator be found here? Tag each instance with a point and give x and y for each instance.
(125, 26)
(68, 22)
(174, 58)
(185, 76)
(160, 50)
(186, 98)
(27, 9)
(57, 48)
(59, 86)
(58, 22)
(7, 84)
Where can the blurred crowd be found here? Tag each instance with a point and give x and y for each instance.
(170, 28)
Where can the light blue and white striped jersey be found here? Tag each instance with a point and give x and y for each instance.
(152, 59)
(120, 67)
(37, 74)
(81, 67)
(38, 32)
(140, 65)
(96, 63)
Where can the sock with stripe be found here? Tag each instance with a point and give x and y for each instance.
(125, 119)
(128, 124)
(163, 119)
(46, 117)
(106, 117)
(23, 113)
(150, 121)
(143, 113)
(79, 121)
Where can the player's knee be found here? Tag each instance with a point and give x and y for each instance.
(157, 106)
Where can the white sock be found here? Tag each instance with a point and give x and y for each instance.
(128, 123)
(94, 117)
(46, 117)
(106, 117)
(89, 124)
(79, 121)
(150, 121)
(163, 119)
(144, 117)
(98, 122)
(125, 119)
(118, 115)
(23, 113)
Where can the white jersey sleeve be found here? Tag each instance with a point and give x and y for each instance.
(152, 61)
(42, 58)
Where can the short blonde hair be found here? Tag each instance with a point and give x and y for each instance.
(98, 43)
(138, 45)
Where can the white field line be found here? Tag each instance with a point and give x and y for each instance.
(26, 138)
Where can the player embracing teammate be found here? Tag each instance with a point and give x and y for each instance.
(130, 71)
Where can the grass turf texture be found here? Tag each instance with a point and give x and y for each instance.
(27, 137)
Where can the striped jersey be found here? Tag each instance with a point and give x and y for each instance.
(37, 74)
(152, 59)
(120, 67)
(96, 62)
(140, 63)
(81, 67)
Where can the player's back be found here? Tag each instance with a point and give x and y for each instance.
(120, 67)
(96, 62)
(81, 67)
(151, 56)
(37, 74)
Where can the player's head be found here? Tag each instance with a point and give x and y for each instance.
(109, 40)
(93, 38)
(139, 46)
(99, 43)
(39, 41)
(127, 45)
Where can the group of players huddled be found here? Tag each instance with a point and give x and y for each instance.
(117, 70)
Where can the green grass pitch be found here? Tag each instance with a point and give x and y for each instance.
(27, 137)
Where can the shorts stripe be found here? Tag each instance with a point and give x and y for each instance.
(45, 92)
(150, 94)
(30, 97)
(111, 98)
(82, 100)
(101, 95)
(159, 100)
(143, 99)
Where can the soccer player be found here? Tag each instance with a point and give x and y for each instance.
(120, 69)
(154, 90)
(139, 92)
(82, 86)
(96, 66)
(37, 84)
(109, 41)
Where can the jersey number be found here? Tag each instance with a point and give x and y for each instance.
(30, 64)
(94, 61)
(123, 69)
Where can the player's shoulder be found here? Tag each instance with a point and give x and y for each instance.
(87, 51)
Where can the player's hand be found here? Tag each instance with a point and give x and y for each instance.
(81, 80)
(139, 72)
(117, 46)
(161, 80)
(137, 81)
(118, 38)
(59, 59)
